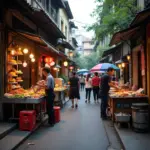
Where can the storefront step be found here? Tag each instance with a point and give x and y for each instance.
(12, 140)
(6, 128)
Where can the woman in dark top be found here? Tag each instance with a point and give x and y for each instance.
(74, 89)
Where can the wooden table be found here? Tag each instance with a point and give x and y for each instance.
(123, 104)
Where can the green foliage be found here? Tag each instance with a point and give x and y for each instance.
(65, 78)
(112, 16)
(87, 62)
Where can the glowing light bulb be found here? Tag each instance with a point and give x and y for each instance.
(123, 65)
(119, 65)
(128, 57)
(65, 63)
(31, 56)
(24, 64)
(13, 52)
(33, 59)
(25, 51)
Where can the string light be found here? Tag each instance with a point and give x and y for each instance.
(25, 50)
(33, 59)
(13, 52)
(31, 56)
(24, 64)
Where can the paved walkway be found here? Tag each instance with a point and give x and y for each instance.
(79, 129)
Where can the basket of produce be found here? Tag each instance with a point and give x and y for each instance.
(122, 117)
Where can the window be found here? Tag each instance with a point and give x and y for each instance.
(62, 26)
(66, 31)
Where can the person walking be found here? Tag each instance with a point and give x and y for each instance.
(96, 84)
(74, 89)
(50, 96)
(88, 87)
(82, 82)
(106, 83)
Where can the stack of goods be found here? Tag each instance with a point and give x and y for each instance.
(12, 61)
(126, 93)
(33, 92)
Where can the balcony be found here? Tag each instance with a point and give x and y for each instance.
(46, 6)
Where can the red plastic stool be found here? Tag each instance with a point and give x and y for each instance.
(57, 114)
(27, 120)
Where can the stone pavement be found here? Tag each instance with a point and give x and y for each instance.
(79, 129)
(132, 140)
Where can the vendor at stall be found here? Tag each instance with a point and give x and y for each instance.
(49, 90)
(106, 83)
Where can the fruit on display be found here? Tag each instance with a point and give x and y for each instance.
(13, 74)
(12, 80)
(19, 79)
(12, 61)
(19, 72)
(59, 89)
(16, 86)
(19, 62)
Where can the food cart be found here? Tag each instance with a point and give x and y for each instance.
(60, 92)
(121, 101)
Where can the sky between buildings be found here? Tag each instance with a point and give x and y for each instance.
(81, 10)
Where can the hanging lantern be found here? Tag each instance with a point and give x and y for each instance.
(33, 59)
(71, 67)
(24, 64)
(13, 52)
(31, 56)
(65, 63)
(52, 63)
(25, 50)
(46, 60)
(123, 65)
(128, 57)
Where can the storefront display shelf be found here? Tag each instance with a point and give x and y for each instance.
(12, 82)
(10, 63)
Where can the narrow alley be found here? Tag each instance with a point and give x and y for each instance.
(79, 129)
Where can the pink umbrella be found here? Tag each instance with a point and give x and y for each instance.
(96, 68)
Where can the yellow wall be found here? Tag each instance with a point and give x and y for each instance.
(63, 16)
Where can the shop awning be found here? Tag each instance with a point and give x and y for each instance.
(140, 17)
(111, 50)
(35, 38)
(62, 55)
(123, 35)
(103, 59)
(45, 21)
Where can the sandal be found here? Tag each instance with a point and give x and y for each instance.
(76, 105)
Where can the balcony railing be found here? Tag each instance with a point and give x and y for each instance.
(45, 6)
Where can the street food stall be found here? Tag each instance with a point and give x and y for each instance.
(120, 101)
(60, 90)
